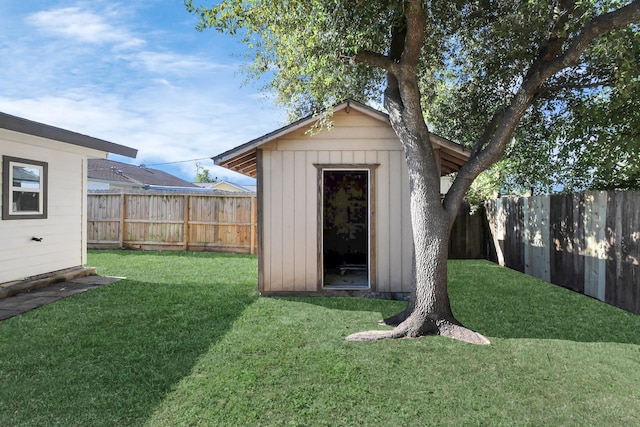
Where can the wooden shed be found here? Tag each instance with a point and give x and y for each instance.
(43, 176)
(333, 205)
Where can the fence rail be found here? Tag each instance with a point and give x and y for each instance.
(170, 221)
(588, 242)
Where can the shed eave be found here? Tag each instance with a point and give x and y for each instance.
(236, 152)
(245, 154)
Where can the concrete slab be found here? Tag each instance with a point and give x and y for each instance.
(14, 305)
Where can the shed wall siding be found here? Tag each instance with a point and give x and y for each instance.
(290, 202)
(63, 231)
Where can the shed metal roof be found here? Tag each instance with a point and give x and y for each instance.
(243, 158)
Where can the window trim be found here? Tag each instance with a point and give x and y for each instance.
(7, 188)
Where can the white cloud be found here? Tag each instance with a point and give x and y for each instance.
(83, 26)
(164, 124)
(105, 69)
(175, 63)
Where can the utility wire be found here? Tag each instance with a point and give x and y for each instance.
(173, 163)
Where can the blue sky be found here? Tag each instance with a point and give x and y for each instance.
(133, 72)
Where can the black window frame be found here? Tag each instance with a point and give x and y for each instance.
(8, 189)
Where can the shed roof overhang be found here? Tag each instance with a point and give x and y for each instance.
(243, 158)
(29, 127)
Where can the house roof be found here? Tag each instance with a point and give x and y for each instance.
(223, 184)
(122, 173)
(18, 124)
(242, 159)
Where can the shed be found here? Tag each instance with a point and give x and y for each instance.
(44, 196)
(333, 205)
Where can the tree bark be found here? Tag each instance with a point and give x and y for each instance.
(429, 309)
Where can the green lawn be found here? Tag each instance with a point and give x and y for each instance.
(185, 340)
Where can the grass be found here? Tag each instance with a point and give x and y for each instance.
(185, 340)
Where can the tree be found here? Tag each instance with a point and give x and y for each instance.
(202, 174)
(496, 60)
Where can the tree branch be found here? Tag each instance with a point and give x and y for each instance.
(375, 59)
(553, 47)
(488, 132)
(599, 25)
(549, 62)
(545, 92)
(569, 85)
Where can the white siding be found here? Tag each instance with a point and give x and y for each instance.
(64, 229)
(290, 202)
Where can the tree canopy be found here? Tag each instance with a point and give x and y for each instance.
(580, 132)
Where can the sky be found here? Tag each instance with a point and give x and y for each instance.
(136, 73)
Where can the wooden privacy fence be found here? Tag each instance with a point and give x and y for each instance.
(171, 221)
(588, 242)
(469, 237)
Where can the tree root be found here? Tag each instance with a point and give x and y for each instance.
(446, 328)
(406, 329)
(375, 335)
(395, 320)
(461, 333)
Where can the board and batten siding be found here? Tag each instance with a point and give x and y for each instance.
(64, 230)
(289, 202)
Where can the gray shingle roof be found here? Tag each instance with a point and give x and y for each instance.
(109, 170)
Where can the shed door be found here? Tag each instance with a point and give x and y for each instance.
(345, 228)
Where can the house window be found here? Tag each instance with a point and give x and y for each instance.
(24, 188)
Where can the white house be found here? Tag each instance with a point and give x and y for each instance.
(43, 179)
(333, 206)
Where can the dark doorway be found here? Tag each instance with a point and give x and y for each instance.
(345, 228)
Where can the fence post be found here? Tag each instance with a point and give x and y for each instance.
(185, 228)
(123, 205)
(496, 218)
(253, 225)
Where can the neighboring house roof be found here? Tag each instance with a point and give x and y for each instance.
(242, 159)
(122, 173)
(18, 124)
(23, 174)
(223, 185)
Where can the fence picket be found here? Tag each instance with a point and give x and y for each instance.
(588, 242)
(171, 221)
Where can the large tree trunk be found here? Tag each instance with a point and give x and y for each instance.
(429, 310)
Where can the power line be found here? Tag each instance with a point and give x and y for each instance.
(173, 163)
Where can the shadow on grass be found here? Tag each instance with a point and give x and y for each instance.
(503, 303)
(110, 356)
